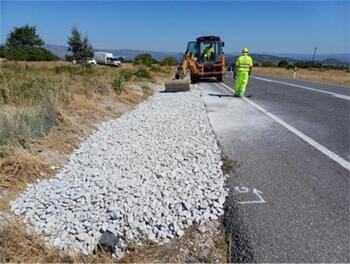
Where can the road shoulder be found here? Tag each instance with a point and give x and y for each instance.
(304, 216)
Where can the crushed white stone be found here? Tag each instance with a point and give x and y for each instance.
(146, 175)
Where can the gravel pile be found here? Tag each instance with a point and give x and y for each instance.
(146, 175)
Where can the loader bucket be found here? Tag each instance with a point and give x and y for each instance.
(177, 85)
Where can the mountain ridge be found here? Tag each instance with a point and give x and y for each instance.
(336, 59)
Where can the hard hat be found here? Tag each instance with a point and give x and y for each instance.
(245, 50)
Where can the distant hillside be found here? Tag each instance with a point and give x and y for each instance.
(332, 61)
(58, 50)
(259, 58)
(61, 51)
(339, 57)
(130, 54)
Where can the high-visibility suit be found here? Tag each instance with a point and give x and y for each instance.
(208, 53)
(244, 64)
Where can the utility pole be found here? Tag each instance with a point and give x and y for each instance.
(313, 56)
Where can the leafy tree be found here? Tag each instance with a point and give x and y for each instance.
(145, 59)
(282, 64)
(24, 36)
(27, 53)
(169, 61)
(81, 48)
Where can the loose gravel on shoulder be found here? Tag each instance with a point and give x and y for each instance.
(147, 175)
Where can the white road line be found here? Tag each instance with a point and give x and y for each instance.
(305, 87)
(330, 154)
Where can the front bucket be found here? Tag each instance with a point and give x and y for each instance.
(177, 85)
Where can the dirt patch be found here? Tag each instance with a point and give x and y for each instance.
(227, 165)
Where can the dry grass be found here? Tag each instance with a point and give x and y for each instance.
(18, 167)
(341, 77)
(227, 165)
(192, 247)
(18, 245)
(49, 107)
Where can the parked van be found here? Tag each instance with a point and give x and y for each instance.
(106, 58)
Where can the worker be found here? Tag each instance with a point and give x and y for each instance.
(243, 69)
(208, 52)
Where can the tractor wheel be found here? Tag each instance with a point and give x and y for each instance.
(194, 79)
(220, 77)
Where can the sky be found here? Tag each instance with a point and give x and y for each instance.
(262, 26)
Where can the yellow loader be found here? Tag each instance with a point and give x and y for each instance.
(203, 58)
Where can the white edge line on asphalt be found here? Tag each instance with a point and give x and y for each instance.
(342, 96)
(342, 162)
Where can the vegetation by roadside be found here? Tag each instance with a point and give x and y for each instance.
(46, 109)
(17, 244)
(341, 77)
(41, 102)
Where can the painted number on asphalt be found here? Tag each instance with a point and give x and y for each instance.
(244, 190)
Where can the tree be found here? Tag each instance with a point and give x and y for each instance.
(169, 61)
(24, 36)
(282, 64)
(81, 48)
(145, 59)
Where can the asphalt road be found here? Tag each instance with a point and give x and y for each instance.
(289, 188)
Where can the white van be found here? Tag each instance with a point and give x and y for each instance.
(106, 58)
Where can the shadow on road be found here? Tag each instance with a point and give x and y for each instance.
(221, 95)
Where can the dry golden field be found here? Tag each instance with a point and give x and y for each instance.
(341, 77)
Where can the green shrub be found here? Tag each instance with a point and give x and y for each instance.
(117, 85)
(267, 64)
(144, 59)
(123, 75)
(143, 73)
(154, 68)
(2, 51)
(283, 64)
(169, 61)
(126, 74)
(27, 53)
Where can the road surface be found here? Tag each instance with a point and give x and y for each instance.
(289, 189)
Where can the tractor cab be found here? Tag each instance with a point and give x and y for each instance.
(206, 49)
(203, 58)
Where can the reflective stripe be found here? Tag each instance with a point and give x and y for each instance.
(244, 65)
